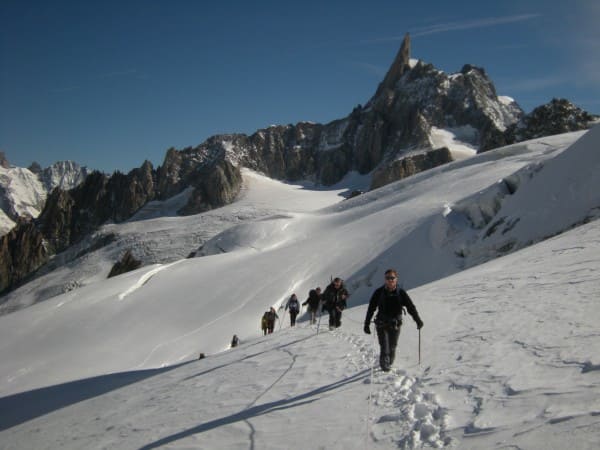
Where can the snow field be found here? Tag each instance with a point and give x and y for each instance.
(508, 352)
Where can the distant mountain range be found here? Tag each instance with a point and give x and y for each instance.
(23, 192)
(419, 118)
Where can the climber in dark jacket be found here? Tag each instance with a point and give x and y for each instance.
(389, 300)
(313, 301)
(334, 301)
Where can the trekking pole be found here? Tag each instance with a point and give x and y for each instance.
(419, 346)
(319, 321)
(371, 389)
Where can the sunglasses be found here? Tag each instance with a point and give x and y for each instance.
(390, 278)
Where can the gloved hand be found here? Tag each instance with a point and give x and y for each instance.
(367, 328)
(419, 324)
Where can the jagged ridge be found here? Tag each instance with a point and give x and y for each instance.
(389, 137)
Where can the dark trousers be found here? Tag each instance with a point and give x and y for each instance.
(388, 340)
(335, 318)
(293, 315)
(313, 314)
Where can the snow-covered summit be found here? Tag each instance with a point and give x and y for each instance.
(23, 191)
(62, 174)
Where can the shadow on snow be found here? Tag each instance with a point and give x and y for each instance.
(259, 410)
(19, 408)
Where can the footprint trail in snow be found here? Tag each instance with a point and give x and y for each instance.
(401, 410)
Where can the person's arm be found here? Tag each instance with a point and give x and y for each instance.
(344, 295)
(371, 310)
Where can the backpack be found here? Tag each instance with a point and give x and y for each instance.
(294, 305)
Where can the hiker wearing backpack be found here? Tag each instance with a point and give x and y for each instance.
(264, 323)
(389, 301)
(334, 302)
(271, 316)
(294, 306)
(313, 301)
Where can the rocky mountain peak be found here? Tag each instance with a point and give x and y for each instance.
(400, 65)
(3, 161)
(392, 137)
(63, 174)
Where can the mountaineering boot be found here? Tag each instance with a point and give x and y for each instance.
(384, 362)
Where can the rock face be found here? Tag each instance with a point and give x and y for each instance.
(22, 252)
(400, 65)
(556, 117)
(3, 161)
(412, 98)
(410, 165)
(215, 179)
(63, 174)
(126, 264)
(70, 215)
(214, 187)
(390, 137)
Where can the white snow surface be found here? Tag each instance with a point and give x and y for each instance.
(508, 354)
(23, 192)
(461, 141)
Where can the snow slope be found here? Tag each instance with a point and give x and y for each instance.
(509, 347)
(156, 235)
(509, 360)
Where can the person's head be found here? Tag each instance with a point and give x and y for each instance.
(391, 278)
(318, 290)
(337, 282)
(294, 296)
(272, 309)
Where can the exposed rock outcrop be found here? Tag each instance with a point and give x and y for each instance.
(410, 165)
(400, 65)
(556, 117)
(126, 264)
(3, 161)
(214, 187)
(70, 215)
(22, 252)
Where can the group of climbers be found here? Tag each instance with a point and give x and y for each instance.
(388, 300)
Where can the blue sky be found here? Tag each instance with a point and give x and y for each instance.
(109, 84)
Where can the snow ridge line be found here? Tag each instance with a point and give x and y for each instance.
(145, 278)
(408, 414)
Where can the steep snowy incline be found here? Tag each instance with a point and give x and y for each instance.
(156, 235)
(509, 360)
(171, 314)
(514, 356)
